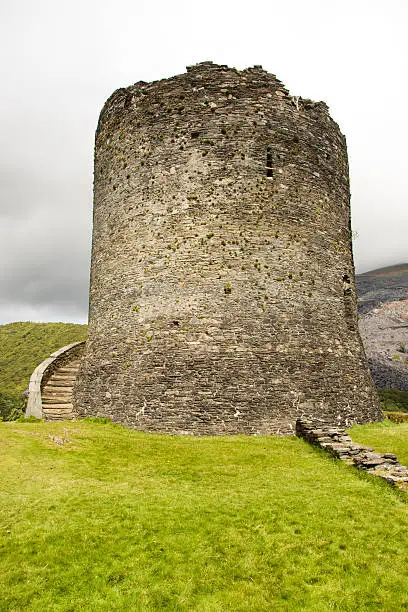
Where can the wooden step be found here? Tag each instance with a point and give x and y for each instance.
(68, 370)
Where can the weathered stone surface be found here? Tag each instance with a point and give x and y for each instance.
(222, 284)
(384, 466)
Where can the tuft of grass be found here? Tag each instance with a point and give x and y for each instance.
(100, 420)
(103, 518)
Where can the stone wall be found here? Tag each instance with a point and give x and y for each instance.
(338, 443)
(222, 284)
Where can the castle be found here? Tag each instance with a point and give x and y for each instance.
(222, 292)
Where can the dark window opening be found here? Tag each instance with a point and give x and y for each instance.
(128, 100)
(349, 305)
(269, 171)
(346, 285)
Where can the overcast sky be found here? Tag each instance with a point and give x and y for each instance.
(61, 59)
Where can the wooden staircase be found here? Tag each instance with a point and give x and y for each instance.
(56, 393)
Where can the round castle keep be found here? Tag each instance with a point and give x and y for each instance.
(222, 285)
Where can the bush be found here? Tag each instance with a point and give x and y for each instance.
(11, 406)
(393, 400)
(397, 417)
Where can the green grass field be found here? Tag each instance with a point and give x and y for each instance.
(384, 437)
(119, 520)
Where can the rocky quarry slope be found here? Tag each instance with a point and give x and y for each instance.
(383, 310)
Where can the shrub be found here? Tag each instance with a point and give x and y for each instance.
(11, 406)
(397, 417)
(394, 400)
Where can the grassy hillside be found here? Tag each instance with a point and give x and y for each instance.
(24, 345)
(118, 520)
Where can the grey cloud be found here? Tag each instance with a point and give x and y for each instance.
(65, 59)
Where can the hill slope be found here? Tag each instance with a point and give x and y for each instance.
(24, 345)
(380, 286)
(383, 308)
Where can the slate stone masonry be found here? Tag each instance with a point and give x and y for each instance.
(222, 292)
(338, 443)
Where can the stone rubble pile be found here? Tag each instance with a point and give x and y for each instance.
(338, 443)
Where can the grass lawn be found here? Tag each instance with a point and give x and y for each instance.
(119, 520)
(384, 437)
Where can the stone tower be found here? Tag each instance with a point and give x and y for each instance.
(222, 284)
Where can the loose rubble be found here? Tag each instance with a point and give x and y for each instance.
(338, 443)
(384, 332)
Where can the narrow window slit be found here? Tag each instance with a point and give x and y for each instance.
(128, 100)
(348, 301)
(269, 171)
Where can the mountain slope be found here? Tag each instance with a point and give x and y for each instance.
(383, 308)
(383, 285)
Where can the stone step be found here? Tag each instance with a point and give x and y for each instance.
(64, 397)
(64, 376)
(59, 378)
(56, 399)
(56, 407)
(59, 383)
(70, 374)
(58, 410)
(63, 373)
(60, 414)
(56, 389)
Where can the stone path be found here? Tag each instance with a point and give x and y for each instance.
(338, 443)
